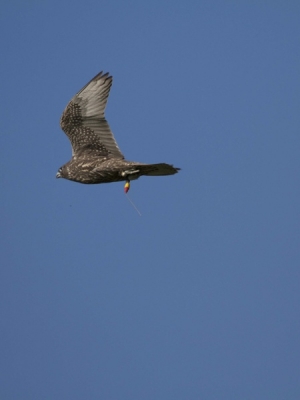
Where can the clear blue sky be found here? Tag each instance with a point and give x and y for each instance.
(199, 298)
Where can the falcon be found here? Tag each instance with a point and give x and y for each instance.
(96, 157)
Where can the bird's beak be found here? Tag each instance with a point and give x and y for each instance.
(58, 175)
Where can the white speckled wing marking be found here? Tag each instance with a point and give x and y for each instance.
(84, 122)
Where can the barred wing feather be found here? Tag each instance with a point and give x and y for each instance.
(84, 121)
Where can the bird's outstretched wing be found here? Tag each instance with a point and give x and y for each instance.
(84, 122)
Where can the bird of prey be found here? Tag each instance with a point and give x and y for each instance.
(96, 157)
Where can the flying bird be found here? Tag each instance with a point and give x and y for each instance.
(96, 157)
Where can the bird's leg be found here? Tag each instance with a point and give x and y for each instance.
(130, 172)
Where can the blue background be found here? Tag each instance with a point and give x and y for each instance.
(198, 298)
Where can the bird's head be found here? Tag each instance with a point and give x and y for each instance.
(62, 172)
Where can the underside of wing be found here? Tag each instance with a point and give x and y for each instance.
(84, 122)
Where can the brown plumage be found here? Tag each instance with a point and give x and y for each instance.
(96, 157)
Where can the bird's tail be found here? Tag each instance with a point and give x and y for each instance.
(157, 169)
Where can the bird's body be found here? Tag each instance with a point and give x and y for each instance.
(96, 157)
(95, 170)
